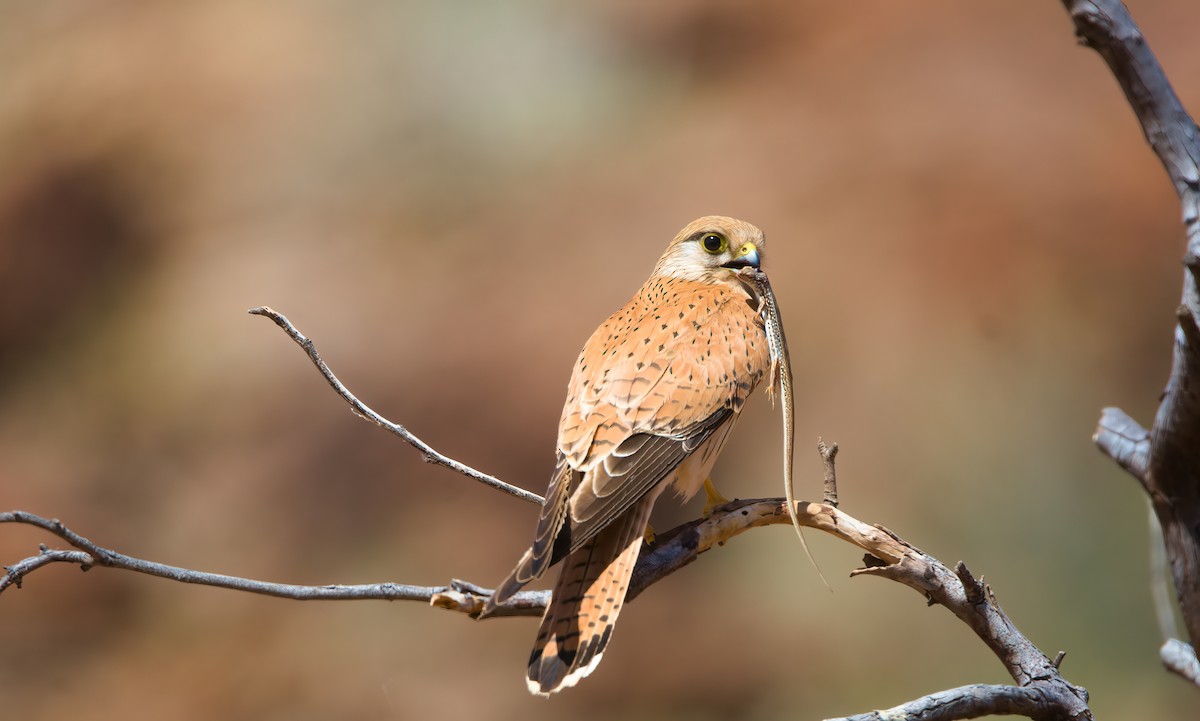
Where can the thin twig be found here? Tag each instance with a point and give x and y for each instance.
(363, 411)
(673, 550)
(828, 456)
(15, 573)
(90, 554)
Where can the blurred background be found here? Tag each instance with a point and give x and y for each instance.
(973, 247)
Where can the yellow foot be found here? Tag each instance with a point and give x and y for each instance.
(649, 535)
(712, 498)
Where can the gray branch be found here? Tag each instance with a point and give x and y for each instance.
(1166, 460)
(89, 555)
(361, 409)
(1040, 686)
(1041, 690)
(967, 702)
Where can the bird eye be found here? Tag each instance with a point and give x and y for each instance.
(714, 243)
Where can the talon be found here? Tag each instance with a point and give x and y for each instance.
(712, 498)
(648, 536)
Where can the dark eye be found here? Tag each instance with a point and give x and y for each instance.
(714, 243)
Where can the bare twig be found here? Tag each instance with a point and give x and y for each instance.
(14, 574)
(673, 550)
(828, 456)
(887, 556)
(363, 411)
(89, 554)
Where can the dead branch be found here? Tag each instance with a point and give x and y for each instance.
(671, 551)
(1042, 692)
(828, 461)
(88, 555)
(361, 409)
(1041, 689)
(966, 702)
(1166, 460)
(887, 556)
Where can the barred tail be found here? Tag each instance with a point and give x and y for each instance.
(587, 599)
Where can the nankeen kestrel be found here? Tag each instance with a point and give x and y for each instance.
(651, 401)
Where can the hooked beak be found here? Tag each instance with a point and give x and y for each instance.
(747, 257)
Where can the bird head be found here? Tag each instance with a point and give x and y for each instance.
(712, 248)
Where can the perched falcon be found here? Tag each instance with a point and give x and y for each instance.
(651, 401)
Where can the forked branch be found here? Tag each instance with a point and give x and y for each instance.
(1165, 459)
(1041, 691)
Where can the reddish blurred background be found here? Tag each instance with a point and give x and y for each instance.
(974, 249)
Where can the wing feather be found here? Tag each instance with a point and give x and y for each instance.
(655, 381)
(658, 458)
